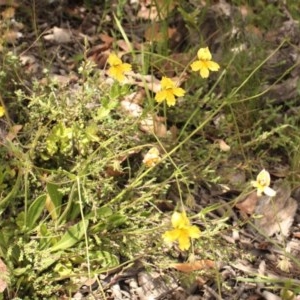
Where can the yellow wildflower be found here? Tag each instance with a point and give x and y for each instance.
(183, 231)
(168, 91)
(204, 64)
(117, 67)
(262, 184)
(2, 111)
(152, 157)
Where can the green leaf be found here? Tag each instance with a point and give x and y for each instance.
(73, 235)
(13, 192)
(35, 210)
(51, 144)
(21, 271)
(53, 203)
(104, 212)
(106, 108)
(64, 269)
(107, 259)
(48, 259)
(74, 212)
(116, 220)
(46, 237)
(102, 113)
(91, 132)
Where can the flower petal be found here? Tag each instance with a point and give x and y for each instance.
(152, 157)
(184, 241)
(180, 220)
(114, 60)
(259, 191)
(171, 235)
(167, 83)
(213, 66)
(194, 232)
(204, 72)
(264, 178)
(2, 111)
(196, 65)
(115, 73)
(204, 54)
(125, 67)
(269, 192)
(254, 183)
(170, 97)
(179, 92)
(161, 96)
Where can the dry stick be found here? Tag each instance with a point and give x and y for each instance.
(212, 292)
(253, 272)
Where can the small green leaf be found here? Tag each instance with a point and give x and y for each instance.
(53, 202)
(49, 260)
(104, 211)
(73, 235)
(20, 220)
(7, 199)
(102, 113)
(20, 271)
(64, 270)
(116, 220)
(35, 210)
(91, 132)
(107, 259)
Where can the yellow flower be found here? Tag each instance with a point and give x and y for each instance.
(2, 111)
(262, 184)
(168, 91)
(204, 64)
(152, 158)
(183, 231)
(117, 67)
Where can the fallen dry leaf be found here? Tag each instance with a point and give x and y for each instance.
(174, 132)
(59, 35)
(248, 205)
(99, 54)
(107, 39)
(223, 146)
(9, 3)
(150, 123)
(160, 129)
(194, 266)
(124, 46)
(147, 13)
(296, 234)
(13, 132)
(156, 10)
(154, 125)
(281, 171)
(148, 82)
(62, 80)
(136, 97)
(8, 13)
(30, 63)
(12, 36)
(154, 33)
(245, 10)
(131, 109)
(4, 276)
